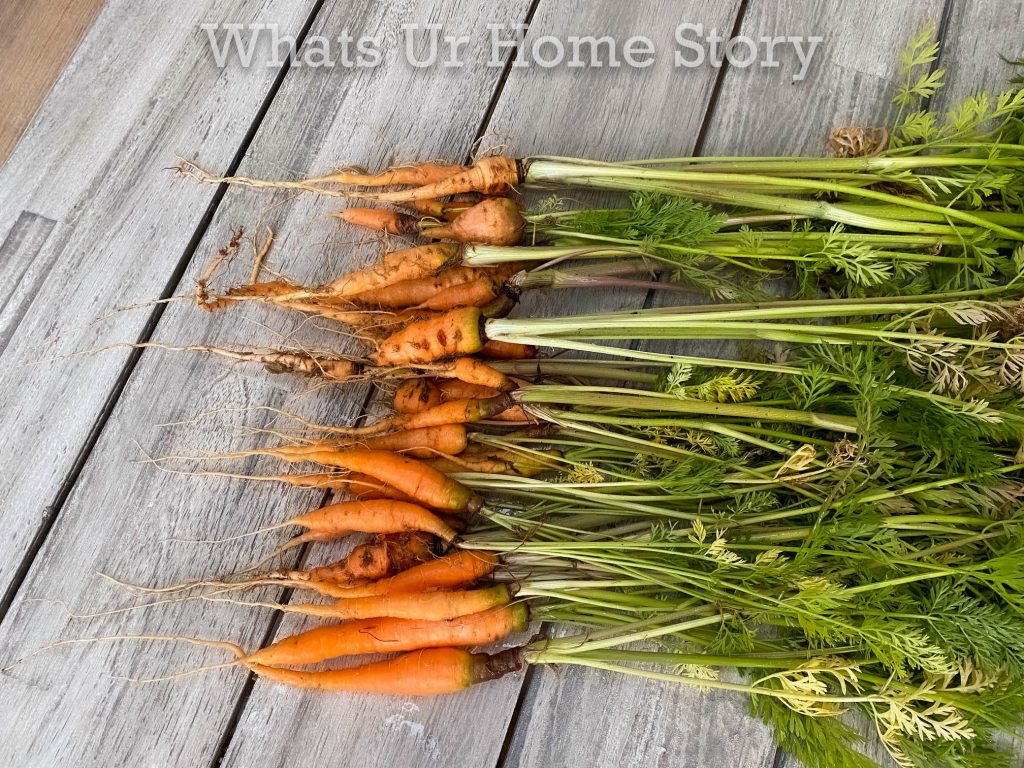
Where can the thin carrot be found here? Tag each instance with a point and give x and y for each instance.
(384, 556)
(425, 606)
(495, 462)
(489, 176)
(420, 482)
(416, 395)
(472, 371)
(388, 635)
(421, 443)
(427, 672)
(475, 293)
(506, 350)
(366, 488)
(410, 293)
(392, 222)
(415, 174)
(455, 333)
(407, 264)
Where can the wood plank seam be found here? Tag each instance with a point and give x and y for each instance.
(52, 511)
(496, 95)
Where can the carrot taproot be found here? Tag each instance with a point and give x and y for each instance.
(452, 571)
(488, 176)
(494, 221)
(422, 483)
(375, 516)
(414, 174)
(425, 606)
(455, 333)
(472, 371)
(416, 395)
(366, 488)
(419, 443)
(507, 350)
(406, 264)
(495, 462)
(411, 293)
(389, 635)
(383, 556)
(475, 293)
(427, 672)
(391, 222)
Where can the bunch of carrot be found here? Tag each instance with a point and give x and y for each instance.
(777, 515)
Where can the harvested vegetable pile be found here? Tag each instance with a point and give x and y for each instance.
(833, 521)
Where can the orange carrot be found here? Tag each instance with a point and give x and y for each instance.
(453, 334)
(387, 635)
(416, 395)
(420, 443)
(415, 174)
(422, 483)
(392, 222)
(495, 462)
(506, 350)
(407, 264)
(489, 176)
(366, 488)
(410, 293)
(454, 571)
(495, 221)
(382, 557)
(425, 606)
(475, 293)
(476, 372)
(421, 673)
(380, 516)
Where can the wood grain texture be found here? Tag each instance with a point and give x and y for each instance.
(94, 163)
(591, 718)
(37, 37)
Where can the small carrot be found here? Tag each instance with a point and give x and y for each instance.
(380, 558)
(455, 333)
(411, 293)
(336, 521)
(427, 672)
(421, 443)
(424, 606)
(494, 221)
(489, 176)
(475, 293)
(366, 488)
(391, 222)
(495, 462)
(416, 395)
(473, 371)
(387, 635)
(506, 350)
(407, 264)
(422, 483)
(414, 174)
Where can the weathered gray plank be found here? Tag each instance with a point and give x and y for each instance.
(141, 86)
(539, 111)
(567, 718)
(118, 512)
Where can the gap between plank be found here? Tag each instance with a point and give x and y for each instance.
(52, 512)
(500, 87)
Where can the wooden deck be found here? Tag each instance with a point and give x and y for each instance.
(90, 221)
